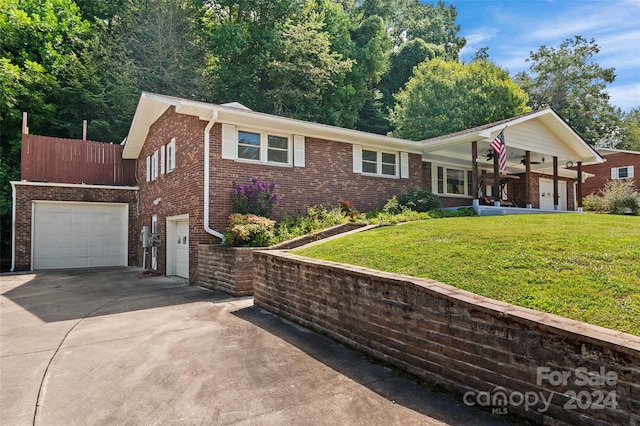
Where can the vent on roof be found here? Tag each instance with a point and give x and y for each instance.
(236, 105)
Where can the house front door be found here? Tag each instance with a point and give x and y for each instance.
(181, 242)
(546, 195)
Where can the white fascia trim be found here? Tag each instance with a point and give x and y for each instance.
(74, 185)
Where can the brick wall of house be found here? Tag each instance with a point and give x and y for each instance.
(178, 192)
(327, 177)
(25, 194)
(602, 171)
(471, 345)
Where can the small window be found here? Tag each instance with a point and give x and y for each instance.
(379, 163)
(154, 166)
(277, 149)
(148, 168)
(163, 149)
(440, 180)
(622, 172)
(249, 146)
(171, 155)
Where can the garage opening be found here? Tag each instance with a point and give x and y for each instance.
(79, 235)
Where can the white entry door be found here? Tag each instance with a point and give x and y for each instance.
(182, 248)
(546, 194)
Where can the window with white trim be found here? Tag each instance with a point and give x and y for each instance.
(148, 168)
(379, 163)
(162, 159)
(452, 181)
(154, 166)
(263, 147)
(171, 155)
(625, 172)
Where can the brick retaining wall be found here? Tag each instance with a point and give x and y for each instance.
(477, 347)
(230, 269)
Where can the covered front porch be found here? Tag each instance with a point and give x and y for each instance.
(541, 152)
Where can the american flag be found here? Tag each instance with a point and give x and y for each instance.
(500, 149)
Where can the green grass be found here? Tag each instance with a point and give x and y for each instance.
(580, 266)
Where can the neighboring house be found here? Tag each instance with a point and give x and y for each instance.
(188, 155)
(619, 165)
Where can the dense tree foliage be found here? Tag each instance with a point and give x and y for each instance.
(444, 97)
(568, 80)
(630, 135)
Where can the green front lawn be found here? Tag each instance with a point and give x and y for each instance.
(580, 266)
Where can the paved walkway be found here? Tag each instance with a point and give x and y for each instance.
(104, 347)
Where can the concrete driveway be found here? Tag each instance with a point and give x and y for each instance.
(108, 346)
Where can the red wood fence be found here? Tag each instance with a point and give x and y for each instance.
(47, 159)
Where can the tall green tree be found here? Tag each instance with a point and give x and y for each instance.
(45, 70)
(163, 41)
(433, 23)
(569, 80)
(241, 37)
(301, 69)
(402, 62)
(444, 97)
(630, 137)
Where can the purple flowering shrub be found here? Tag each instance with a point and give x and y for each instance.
(249, 230)
(258, 198)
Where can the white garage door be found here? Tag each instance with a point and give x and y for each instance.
(79, 235)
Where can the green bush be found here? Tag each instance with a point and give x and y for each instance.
(462, 212)
(250, 231)
(315, 219)
(594, 203)
(617, 197)
(393, 206)
(419, 200)
(620, 197)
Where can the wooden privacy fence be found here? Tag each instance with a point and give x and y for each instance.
(47, 159)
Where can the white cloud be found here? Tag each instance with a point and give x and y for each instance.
(625, 96)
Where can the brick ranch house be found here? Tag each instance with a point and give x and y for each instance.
(181, 159)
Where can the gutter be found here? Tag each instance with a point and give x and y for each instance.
(207, 167)
(13, 227)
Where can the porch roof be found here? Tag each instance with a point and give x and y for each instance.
(544, 133)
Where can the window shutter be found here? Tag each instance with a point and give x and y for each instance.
(404, 165)
(162, 149)
(357, 159)
(228, 141)
(614, 173)
(630, 170)
(298, 150)
(148, 168)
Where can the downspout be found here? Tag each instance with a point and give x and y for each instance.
(207, 167)
(13, 227)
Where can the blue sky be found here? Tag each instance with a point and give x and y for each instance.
(513, 28)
